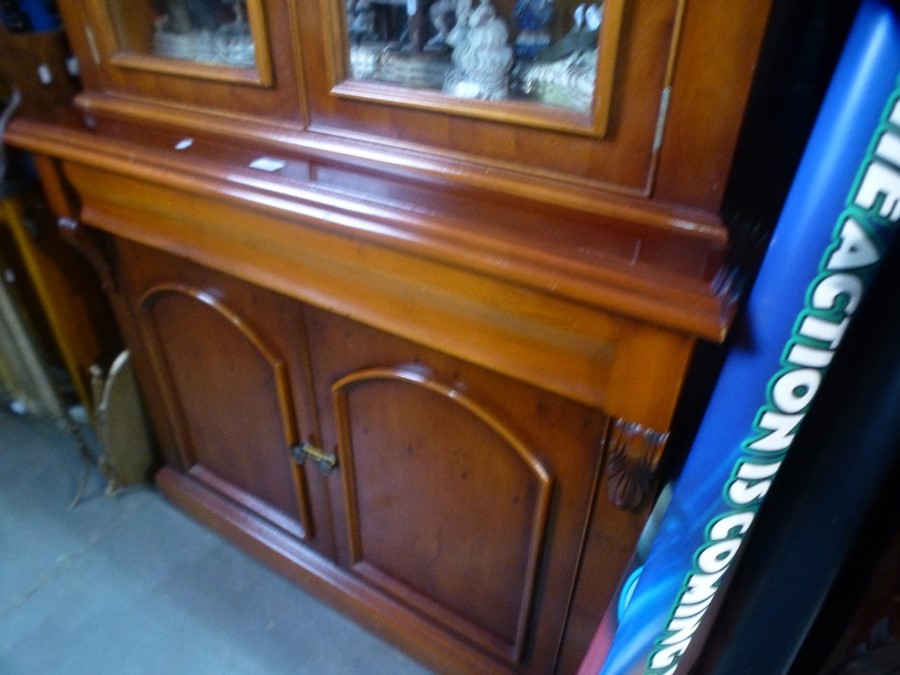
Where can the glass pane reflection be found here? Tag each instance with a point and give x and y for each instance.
(539, 50)
(204, 31)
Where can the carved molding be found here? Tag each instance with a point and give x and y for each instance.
(634, 452)
(235, 320)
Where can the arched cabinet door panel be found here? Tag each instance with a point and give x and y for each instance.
(448, 501)
(226, 387)
(450, 497)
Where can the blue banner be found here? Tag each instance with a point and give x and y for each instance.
(839, 218)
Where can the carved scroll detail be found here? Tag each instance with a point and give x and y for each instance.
(86, 243)
(633, 459)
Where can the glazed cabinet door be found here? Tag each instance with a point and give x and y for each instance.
(228, 56)
(461, 496)
(227, 359)
(637, 97)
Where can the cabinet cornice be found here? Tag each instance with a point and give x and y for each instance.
(661, 265)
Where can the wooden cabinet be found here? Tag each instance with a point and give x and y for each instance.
(419, 349)
(457, 495)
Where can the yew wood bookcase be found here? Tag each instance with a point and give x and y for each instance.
(419, 352)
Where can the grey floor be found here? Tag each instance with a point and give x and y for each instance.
(130, 585)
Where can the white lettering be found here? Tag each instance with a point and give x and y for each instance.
(895, 113)
(827, 331)
(795, 389)
(731, 526)
(880, 180)
(684, 611)
(683, 629)
(783, 428)
(889, 149)
(751, 482)
(666, 656)
(701, 587)
(812, 357)
(757, 470)
(846, 287)
(717, 557)
(855, 250)
(744, 492)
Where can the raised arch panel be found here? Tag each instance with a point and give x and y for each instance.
(229, 395)
(470, 554)
(461, 496)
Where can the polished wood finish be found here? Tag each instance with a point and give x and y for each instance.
(500, 475)
(524, 113)
(478, 316)
(692, 59)
(224, 362)
(36, 65)
(125, 34)
(480, 460)
(108, 64)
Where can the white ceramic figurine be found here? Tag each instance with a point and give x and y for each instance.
(483, 58)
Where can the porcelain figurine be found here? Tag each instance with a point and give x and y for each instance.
(565, 74)
(442, 15)
(483, 58)
(212, 31)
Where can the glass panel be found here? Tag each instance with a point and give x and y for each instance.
(537, 50)
(214, 32)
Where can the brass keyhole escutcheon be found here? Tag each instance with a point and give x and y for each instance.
(326, 461)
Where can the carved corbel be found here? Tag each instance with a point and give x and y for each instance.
(86, 243)
(634, 453)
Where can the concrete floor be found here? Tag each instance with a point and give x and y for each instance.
(129, 585)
